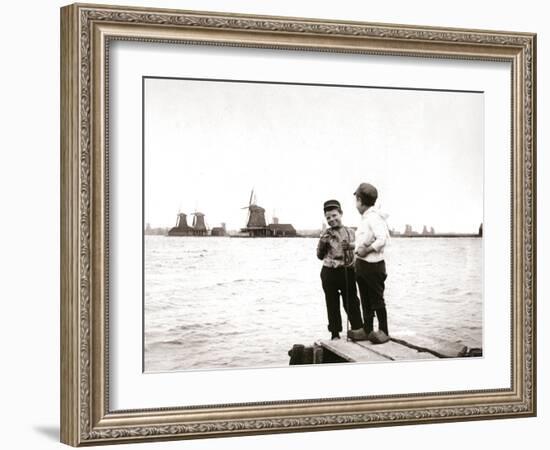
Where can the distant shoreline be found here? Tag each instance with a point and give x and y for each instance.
(399, 236)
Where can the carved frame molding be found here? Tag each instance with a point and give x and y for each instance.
(86, 31)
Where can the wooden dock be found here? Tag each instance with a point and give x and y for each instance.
(365, 351)
(396, 349)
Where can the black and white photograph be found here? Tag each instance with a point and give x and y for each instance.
(290, 223)
(242, 225)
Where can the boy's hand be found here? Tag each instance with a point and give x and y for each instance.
(325, 238)
(348, 246)
(361, 251)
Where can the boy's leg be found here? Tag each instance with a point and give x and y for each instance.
(375, 278)
(351, 302)
(332, 299)
(368, 313)
(382, 316)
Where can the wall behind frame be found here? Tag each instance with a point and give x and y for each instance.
(29, 226)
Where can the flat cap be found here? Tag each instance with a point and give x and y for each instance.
(331, 204)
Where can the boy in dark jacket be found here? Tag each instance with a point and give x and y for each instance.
(335, 248)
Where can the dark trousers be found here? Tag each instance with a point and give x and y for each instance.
(371, 279)
(341, 282)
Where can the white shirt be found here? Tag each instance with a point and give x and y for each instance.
(373, 231)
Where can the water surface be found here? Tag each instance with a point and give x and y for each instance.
(219, 302)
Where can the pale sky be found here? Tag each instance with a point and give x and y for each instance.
(208, 143)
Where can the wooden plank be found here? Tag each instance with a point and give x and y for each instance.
(352, 352)
(439, 348)
(396, 351)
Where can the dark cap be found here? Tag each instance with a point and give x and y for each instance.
(331, 204)
(367, 192)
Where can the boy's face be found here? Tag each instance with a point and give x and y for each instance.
(334, 218)
(359, 205)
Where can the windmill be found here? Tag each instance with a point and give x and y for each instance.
(199, 226)
(181, 228)
(256, 214)
(182, 221)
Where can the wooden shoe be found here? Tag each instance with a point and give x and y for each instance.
(378, 337)
(357, 335)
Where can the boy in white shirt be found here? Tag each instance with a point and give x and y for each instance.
(371, 238)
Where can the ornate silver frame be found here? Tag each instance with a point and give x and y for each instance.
(86, 31)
